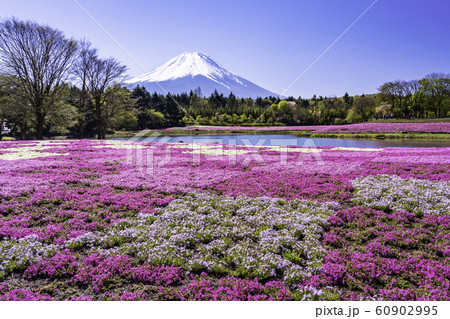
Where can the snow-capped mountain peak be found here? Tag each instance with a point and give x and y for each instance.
(190, 70)
(187, 64)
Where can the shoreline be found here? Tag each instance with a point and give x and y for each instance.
(444, 137)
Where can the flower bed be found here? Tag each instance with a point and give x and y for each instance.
(388, 256)
(101, 220)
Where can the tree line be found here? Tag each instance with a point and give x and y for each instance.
(427, 97)
(424, 98)
(53, 85)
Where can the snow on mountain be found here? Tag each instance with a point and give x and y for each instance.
(194, 69)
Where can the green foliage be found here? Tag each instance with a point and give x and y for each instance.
(362, 110)
(63, 116)
(14, 106)
(155, 119)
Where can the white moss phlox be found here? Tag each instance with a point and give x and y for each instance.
(32, 150)
(121, 145)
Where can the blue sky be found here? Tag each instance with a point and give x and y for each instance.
(268, 42)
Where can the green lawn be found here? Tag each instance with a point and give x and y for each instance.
(436, 120)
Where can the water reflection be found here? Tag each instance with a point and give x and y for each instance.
(291, 140)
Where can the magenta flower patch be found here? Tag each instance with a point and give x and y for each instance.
(118, 220)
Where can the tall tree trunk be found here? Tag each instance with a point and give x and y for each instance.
(100, 124)
(40, 117)
(40, 127)
(23, 132)
(81, 131)
(101, 131)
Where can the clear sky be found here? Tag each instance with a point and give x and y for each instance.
(268, 42)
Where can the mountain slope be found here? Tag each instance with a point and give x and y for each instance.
(191, 70)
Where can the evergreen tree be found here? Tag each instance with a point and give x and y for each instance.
(172, 112)
(143, 102)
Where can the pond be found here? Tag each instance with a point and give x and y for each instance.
(291, 140)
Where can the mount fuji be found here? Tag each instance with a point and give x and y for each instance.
(188, 71)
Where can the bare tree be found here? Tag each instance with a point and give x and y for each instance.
(40, 57)
(104, 78)
(395, 94)
(364, 107)
(82, 98)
